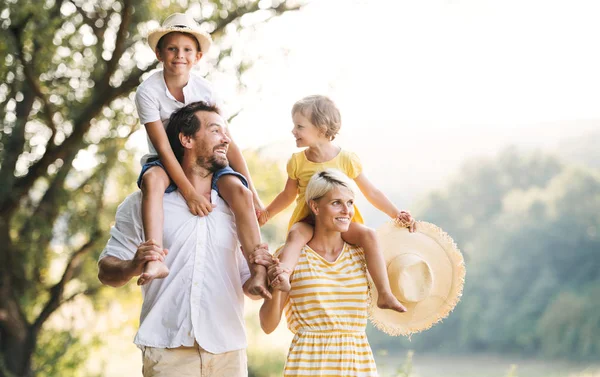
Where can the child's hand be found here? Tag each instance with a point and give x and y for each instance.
(199, 205)
(405, 220)
(263, 217)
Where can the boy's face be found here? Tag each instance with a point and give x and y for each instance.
(305, 133)
(178, 53)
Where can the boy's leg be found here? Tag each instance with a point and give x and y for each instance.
(240, 200)
(366, 238)
(154, 183)
(298, 236)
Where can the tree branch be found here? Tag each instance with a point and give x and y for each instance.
(111, 65)
(57, 290)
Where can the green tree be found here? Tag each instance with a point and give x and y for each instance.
(67, 77)
(529, 228)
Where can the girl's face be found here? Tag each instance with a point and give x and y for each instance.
(334, 210)
(306, 133)
(178, 53)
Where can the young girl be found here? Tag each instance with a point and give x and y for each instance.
(316, 122)
(179, 45)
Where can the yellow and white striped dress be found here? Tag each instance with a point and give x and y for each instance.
(327, 312)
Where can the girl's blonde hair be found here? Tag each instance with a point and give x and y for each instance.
(322, 113)
(324, 181)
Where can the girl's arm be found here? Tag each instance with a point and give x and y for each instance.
(376, 197)
(238, 163)
(284, 199)
(198, 204)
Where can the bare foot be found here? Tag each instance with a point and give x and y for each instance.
(258, 286)
(388, 301)
(153, 270)
(282, 282)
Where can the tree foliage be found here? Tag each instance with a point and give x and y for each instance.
(529, 227)
(66, 80)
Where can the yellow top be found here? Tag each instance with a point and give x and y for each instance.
(327, 310)
(300, 169)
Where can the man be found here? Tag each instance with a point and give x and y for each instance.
(192, 321)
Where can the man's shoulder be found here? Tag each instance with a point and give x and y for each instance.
(131, 204)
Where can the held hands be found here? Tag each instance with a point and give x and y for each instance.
(279, 276)
(262, 216)
(199, 205)
(405, 220)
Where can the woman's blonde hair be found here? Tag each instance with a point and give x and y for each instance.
(322, 113)
(324, 181)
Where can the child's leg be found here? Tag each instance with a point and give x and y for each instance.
(154, 183)
(241, 203)
(366, 238)
(298, 236)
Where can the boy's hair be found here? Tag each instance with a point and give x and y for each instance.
(324, 181)
(185, 121)
(322, 113)
(159, 45)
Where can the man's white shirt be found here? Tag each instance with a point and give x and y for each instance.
(202, 298)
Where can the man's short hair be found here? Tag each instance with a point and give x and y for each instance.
(185, 121)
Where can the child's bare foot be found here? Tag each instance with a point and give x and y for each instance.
(388, 301)
(282, 282)
(258, 286)
(153, 270)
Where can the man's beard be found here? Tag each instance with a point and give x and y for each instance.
(213, 163)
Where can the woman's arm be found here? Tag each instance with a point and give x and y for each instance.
(198, 204)
(271, 310)
(284, 199)
(376, 197)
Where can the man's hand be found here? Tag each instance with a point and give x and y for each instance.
(146, 252)
(199, 205)
(261, 256)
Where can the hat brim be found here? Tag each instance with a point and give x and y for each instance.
(447, 266)
(203, 38)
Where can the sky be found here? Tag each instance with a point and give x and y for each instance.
(425, 85)
(422, 86)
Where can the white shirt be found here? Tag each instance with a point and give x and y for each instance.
(202, 298)
(154, 101)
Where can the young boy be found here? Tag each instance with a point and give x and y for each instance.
(179, 44)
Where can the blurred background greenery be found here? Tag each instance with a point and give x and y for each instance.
(527, 218)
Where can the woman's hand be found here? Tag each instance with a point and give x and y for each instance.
(279, 276)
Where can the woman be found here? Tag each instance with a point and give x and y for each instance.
(326, 307)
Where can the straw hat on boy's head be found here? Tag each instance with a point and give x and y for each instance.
(182, 23)
(426, 273)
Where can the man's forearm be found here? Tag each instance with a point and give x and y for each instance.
(115, 272)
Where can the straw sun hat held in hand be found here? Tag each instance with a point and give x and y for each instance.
(427, 274)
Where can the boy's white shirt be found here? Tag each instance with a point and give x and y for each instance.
(202, 298)
(154, 101)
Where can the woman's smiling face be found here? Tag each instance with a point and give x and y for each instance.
(335, 209)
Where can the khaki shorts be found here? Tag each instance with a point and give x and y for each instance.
(193, 362)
